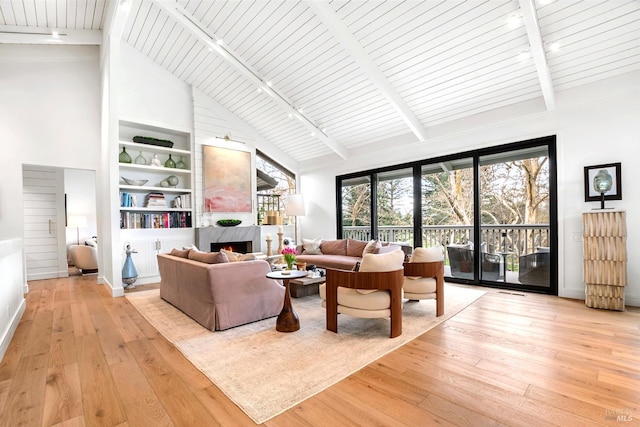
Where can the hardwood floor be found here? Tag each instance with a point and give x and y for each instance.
(80, 357)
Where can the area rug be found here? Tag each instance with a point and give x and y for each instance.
(267, 372)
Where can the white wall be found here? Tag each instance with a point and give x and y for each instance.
(49, 115)
(594, 125)
(12, 300)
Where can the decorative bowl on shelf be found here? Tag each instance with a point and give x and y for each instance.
(138, 182)
(228, 222)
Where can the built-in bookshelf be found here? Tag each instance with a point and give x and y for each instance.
(153, 194)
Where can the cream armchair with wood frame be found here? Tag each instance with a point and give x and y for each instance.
(424, 276)
(85, 258)
(374, 291)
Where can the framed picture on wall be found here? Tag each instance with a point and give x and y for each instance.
(226, 179)
(612, 170)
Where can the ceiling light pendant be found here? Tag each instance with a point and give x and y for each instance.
(554, 47)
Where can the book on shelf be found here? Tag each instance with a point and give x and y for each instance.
(156, 200)
(132, 220)
(128, 200)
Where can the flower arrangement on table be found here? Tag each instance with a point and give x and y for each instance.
(289, 255)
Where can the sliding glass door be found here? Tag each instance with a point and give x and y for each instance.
(448, 213)
(355, 217)
(515, 215)
(492, 211)
(394, 206)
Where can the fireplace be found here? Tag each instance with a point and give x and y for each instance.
(213, 238)
(240, 247)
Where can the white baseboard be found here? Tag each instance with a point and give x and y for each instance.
(6, 339)
(115, 291)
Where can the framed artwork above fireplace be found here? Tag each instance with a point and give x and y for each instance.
(226, 179)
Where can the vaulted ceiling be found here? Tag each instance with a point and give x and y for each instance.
(315, 78)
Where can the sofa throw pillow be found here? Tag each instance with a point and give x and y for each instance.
(245, 257)
(208, 257)
(334, 247)
(427, 254)
(385, 249)
(371, 247)
(192, 247)
(311, 247)
(180, 252)
(237, 256)
(355, 247)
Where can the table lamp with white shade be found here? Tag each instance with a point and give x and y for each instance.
(77, 221)
(295, 208)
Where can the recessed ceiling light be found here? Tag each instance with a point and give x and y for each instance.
(300, 110)
(524, 55)
(514, 21)
(313, 134)
(55, 33)
(259, 90)
(220, 42)
(554, 47)
(269, 84)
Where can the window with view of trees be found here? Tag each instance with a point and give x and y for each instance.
(274, 183)
(499, 198)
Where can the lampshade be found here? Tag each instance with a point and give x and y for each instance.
(77, 221)
(295, 205)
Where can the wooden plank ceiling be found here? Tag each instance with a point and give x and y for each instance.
(319, 78)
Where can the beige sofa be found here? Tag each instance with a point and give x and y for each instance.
(341, 254)
(220, 296)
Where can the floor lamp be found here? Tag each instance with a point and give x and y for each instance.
(295, 208)
(77, 221)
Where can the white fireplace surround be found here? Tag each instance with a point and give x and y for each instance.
(207, 235)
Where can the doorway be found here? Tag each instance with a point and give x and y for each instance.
(51, 197)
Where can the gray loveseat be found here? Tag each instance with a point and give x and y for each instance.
(220, 296)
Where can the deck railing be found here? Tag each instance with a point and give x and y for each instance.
(518, 239)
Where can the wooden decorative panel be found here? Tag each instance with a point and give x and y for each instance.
(605, 259)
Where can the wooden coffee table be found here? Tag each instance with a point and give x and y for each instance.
(306, 286)
(288, 320)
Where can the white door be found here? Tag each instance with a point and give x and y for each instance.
(43, 195)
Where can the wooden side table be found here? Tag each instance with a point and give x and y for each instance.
(605, 258)
(288, 320)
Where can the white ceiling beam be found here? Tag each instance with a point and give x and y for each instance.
(345, 37)
(117, 15)
(19, 34)
(190, 23)
(530, 18)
